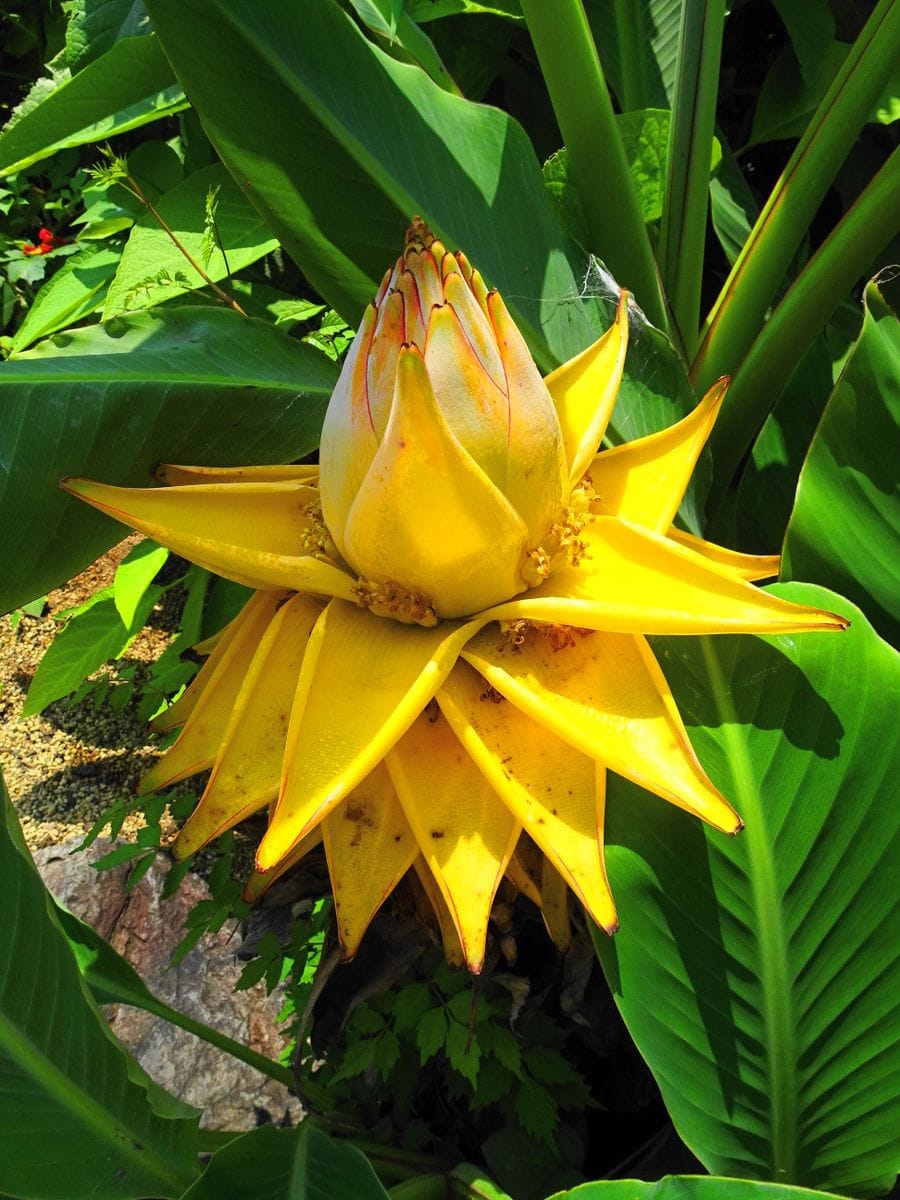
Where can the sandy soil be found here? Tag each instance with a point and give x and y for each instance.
(65, 767)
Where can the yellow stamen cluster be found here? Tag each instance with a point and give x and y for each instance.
(315, 539)
(389, 599)
(514, 634)
(563, 543)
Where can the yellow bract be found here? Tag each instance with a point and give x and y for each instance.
(447, 650)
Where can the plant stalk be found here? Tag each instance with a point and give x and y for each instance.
(738, 313)
(682, 235)
(138, 191)
(599, 168)
(865, 229)
(252, 1058)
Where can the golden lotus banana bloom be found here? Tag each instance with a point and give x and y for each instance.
(447, 648)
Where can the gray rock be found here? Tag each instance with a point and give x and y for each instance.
(145, 930)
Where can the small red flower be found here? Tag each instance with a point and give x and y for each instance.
(47, 240)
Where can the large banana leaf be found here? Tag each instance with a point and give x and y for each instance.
(337, 171)
(638, 46)
(845, 525)
(759, 975)
(688, 1187)
(124, 88)
(179, 385)
(79, 1117)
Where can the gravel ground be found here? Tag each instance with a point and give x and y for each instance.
(66, 766)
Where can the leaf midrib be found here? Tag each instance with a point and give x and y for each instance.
(774, 974)
(84, 1107)
(115, 373)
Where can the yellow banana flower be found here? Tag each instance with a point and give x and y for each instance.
(447, 648)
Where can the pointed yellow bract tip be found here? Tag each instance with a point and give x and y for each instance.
(269, 854)
(830, 620)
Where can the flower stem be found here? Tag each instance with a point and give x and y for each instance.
(135, 188)
(599, 168)
(239, 1050)
(739, 311)
(682, 235)
(865, 229)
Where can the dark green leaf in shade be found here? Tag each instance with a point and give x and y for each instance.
(183, 385)
(463, 1051)
(732, 206)
(536, 1111)
(431, 1034)
(768, 483)
(410, 1005)
(759, 975)
(65, 1082)
(156, 168)
(506, 1049)
(129, 85)
(845, 527)
(525, 1165)
(223, 603)
(287, 1164)
(788, 98)
(337, 172)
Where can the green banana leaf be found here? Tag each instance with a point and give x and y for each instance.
(287, 1164)
(79, 1117)
(176, 384)
(638, 47)
(689, 1187)
(760, 975)
(124, 88)
(95, 26)
(768, 485)
(845, 527)
(338, 170)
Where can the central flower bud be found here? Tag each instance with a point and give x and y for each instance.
(442, 458)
